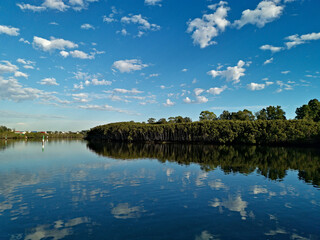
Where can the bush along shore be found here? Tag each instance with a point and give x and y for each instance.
(260, 132)
(266, 127)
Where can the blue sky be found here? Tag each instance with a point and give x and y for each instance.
(75, 64)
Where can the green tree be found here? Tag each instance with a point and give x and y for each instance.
(225, 115)
(271, 113)
(310, 111)
(187, 119)
(151, 120)
(162, 121)
(178, 119)
(171, 120)
(207, 115)
(244, 115)
(262, 114)
(275, 113)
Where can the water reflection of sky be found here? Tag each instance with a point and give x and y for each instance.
(68, 192)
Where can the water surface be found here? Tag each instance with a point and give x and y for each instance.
(80, 190)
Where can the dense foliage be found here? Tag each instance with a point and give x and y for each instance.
(219, 131)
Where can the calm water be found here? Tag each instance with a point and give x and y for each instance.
(76, 190)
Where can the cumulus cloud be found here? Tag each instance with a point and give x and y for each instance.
(30, 7)
(81, 54)
(25, 62)
(256, 86)
(199, 99)
(87, 26)
(58, 5)
(11, 89)
(143, 23)
(110, 18)
(7, 67)
(271, 48)
(268, 61)
(107, 108)
(24, 41)
(126, 91)
(153, 2)
(126, 66)
(216, 90)
(11, 31)
(210, 25)
(49, 81)
(295, 40)
(198, 91)
(168, 103)
(285, 72)
(266, 11)
(103, 82)
(52, 44)
(21, 74)
(231, 73)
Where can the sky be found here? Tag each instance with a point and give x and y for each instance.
(76, 64)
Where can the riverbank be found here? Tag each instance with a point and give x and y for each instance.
(259, 132)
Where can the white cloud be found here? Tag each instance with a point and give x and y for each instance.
(231, 73)
(266, 11)
(210, 25)
(198, 91)
(184, 70)
(168, 103)
(187, 100)
(33, 8)
(284, 86)
(126, 66)
(28, 67)
(11, 89)
(295, 40)
(11, 31)
(285, 72)
(216, 90)
(81, 55)
(110, 18)
(87, 26)
(80, 97)
(106, 108)
(199, 99)
(55, 4)
(256, 86)
(126, 91)
(103, 82)
(7, 67)
(21, 74)
(268, 61)
(25, 62)
(49, 81)
(58, 5)
(271, 48)
(24, 41)
(153, 2)
(144, 25)
(64, 54)
(52, 44)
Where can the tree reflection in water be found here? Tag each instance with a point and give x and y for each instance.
(271, 162)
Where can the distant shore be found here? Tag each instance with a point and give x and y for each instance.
(259, 132)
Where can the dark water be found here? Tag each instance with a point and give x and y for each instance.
(76, 190)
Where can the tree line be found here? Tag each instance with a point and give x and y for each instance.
(310, 112)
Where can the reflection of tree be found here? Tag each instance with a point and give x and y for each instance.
(271, 162)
